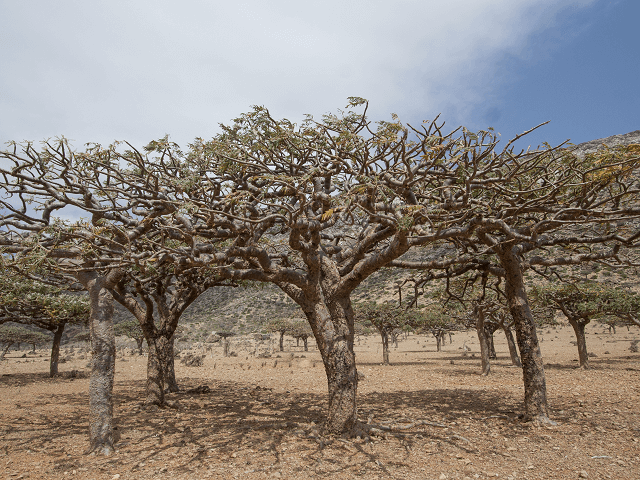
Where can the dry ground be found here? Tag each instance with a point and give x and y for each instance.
(260, 418)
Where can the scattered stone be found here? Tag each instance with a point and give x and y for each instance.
(607, 352)
(201, 389)
(361, 376)
(193, 360)
(583, 474)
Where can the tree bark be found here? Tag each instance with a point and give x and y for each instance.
(492, 348)
(102, 361)
(139, 342)
(535, 387)
(281, 342)
(578, 325)
(170, 370)
(513, 351)
(484, 342)
(55, 350)
(306, 345)
(332, 325)
(155, 373)
(438, 338)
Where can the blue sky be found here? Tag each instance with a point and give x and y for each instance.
(106, 70)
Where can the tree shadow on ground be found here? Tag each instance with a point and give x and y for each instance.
(231, 417)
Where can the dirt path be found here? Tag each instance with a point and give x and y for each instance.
(259, 419)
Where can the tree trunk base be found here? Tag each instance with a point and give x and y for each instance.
(539, 420)
(104, 449)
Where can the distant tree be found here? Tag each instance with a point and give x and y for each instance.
(282, 326)
(15, 335)
(225, 341)
(300, 330)
(32, 302)
(385, 318)
(582, 302)
(131, 329)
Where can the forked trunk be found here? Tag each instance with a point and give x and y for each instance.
(513, 351)
(535, 388)
(438, 339)
(385, 347)
(484, 343)
(55, 350)
(578, 327)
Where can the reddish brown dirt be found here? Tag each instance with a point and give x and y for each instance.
(260, 419)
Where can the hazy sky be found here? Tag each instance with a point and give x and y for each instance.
(137, 70)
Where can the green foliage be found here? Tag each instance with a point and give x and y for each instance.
(129, 328)
(300, 329)
(589, 299)
(28, 301)
(279, 325)
(10, 335)
(384, 317)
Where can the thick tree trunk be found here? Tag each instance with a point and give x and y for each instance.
(332, 327)
(102, 364)
(155, 373)
(342, 378)
(55, 350)
(513, 351)
(438, 339)
(578, 327)
(484, 343)
(535, 387)
(306, 345)
(385, 348)
(170, 370)
(281, 342)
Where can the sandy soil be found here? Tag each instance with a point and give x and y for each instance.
(260, 418)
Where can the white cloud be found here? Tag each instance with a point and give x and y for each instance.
(137, 70)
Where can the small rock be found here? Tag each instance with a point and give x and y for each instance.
(583, 474)
(442, 477)
(116, 476)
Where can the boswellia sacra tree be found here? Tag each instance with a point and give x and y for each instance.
(317, 208)
(533, 212)
(117, 192)
(30, 302)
